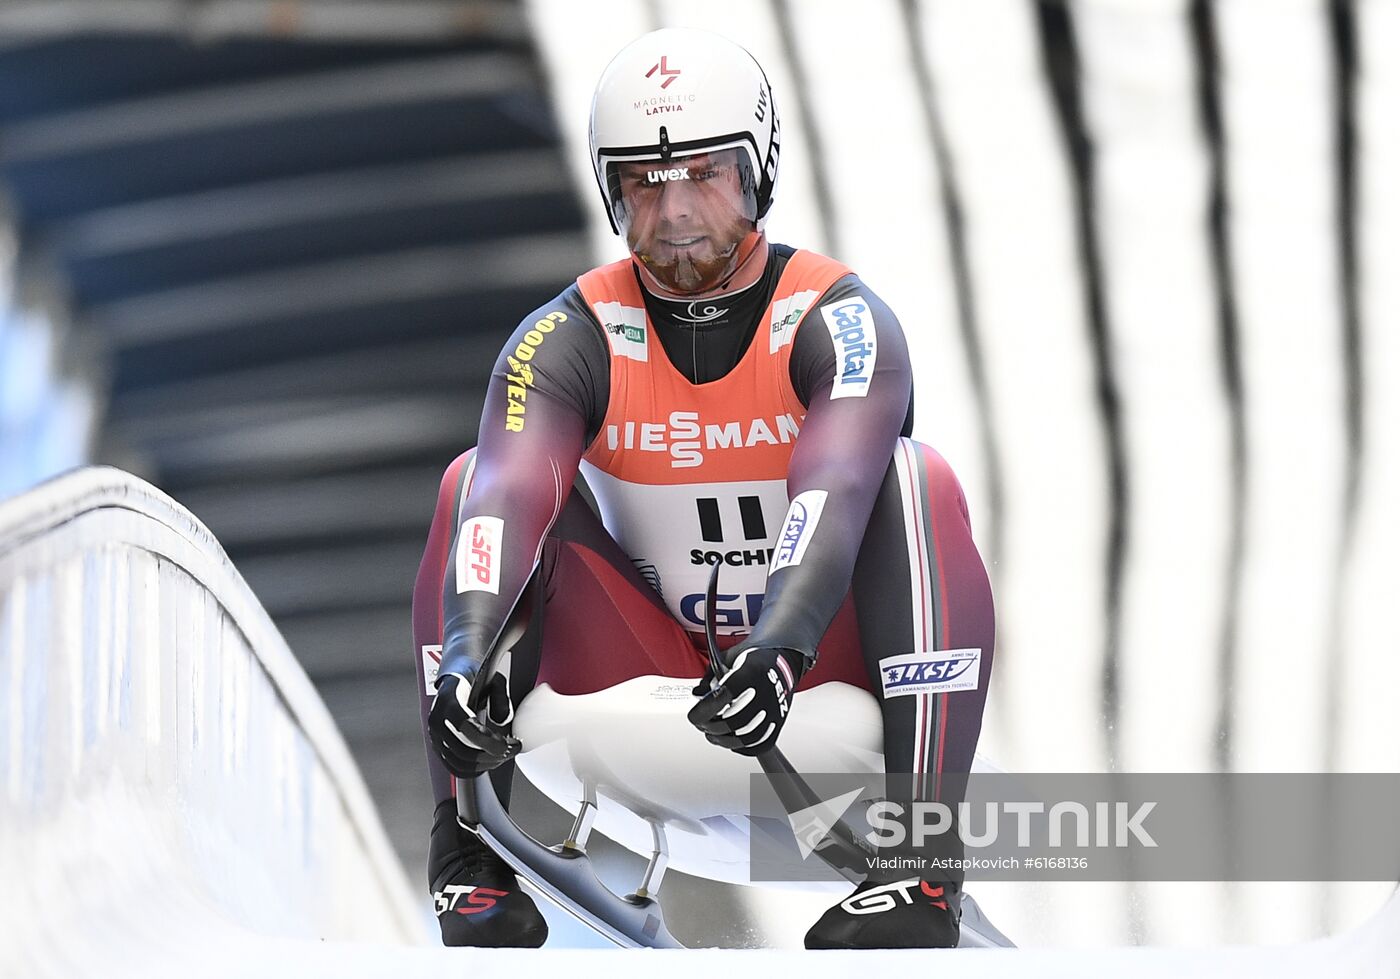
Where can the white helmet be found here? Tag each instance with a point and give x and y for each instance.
(675, 92)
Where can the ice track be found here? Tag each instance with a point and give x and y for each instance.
(177, 801)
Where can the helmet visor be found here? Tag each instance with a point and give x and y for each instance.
(685, 217)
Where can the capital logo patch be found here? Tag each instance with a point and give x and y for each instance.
(852, 328)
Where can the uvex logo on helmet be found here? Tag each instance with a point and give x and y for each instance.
(663, 176)
(670, 74)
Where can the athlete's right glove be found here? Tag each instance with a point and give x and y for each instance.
(470, 742)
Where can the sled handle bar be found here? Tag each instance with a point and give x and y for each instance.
(846, 852)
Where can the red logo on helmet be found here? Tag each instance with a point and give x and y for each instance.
(670, 74)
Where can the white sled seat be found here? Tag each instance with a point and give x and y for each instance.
(632, 746)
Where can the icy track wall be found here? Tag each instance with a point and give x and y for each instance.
(168, 773)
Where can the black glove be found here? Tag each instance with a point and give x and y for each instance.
(747, 708)
(471, 743)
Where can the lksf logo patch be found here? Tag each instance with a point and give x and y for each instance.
(852, 329)
(479, 555)
(942, 671)
(803, 515)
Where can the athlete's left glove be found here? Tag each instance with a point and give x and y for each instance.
(472, 742)
(747, 708)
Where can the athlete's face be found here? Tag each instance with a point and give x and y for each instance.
(687, 216)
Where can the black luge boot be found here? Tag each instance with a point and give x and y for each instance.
(909, 913)
(476, 895)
